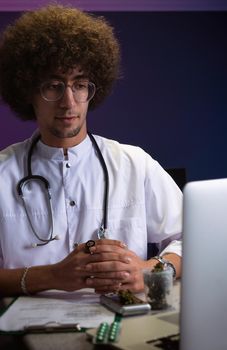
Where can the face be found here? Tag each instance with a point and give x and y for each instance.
(62, 123)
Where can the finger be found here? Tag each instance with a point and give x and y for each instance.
(86, 262)
(83, 247)
(78, 247)
(107, 249)
(110, 257)
(117, 276)
(101, 282)
(107, 266)
(108, 245)
(100, 246)
(115, 242)
(80, 271)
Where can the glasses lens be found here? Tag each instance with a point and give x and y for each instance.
(52, 90)
(83, 91)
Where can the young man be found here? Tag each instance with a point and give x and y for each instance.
(76, 210)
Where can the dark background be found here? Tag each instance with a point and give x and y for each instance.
(171, 99)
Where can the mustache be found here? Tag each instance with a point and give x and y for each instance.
(68, 114)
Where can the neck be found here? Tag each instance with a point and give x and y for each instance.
(63, 142)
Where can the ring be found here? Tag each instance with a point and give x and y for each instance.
(88, 245)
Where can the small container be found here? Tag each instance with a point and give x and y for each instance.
(158, 286)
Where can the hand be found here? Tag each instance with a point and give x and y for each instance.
(70, 274)
(114, 267)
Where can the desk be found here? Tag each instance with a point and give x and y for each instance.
(61, 341)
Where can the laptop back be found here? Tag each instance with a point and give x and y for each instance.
(203, 319)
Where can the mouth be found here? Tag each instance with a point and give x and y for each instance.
(67, 117)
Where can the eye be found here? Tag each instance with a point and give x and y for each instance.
(80, 85)
(53, 85)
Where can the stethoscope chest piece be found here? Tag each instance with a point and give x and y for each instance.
(102, 233)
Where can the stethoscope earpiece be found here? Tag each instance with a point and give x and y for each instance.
(34, 245)
(57, 237)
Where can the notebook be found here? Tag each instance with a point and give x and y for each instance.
(202, 322)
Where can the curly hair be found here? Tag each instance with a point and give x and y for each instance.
(53, 37)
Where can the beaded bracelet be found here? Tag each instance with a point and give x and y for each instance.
(23, 282)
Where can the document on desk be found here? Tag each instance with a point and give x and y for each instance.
(55, 309)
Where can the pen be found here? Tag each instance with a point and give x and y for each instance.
(53, 327)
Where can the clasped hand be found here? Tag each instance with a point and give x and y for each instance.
(109, 267)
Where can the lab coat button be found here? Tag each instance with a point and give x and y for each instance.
(72, 203)
(68, 165)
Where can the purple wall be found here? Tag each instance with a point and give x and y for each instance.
(172, 98)
(121, 5)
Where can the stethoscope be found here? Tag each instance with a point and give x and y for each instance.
(101, 233)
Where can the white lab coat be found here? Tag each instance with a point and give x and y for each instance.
(145, 205)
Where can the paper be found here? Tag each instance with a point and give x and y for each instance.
(54, 308)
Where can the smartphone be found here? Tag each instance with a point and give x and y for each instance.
(112, 302)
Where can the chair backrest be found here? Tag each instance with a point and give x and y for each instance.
(179, 176)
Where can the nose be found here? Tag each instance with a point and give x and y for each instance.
(67, 100)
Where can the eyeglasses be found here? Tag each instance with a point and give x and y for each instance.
(53, 90)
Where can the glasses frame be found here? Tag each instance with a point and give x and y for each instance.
(63, 92)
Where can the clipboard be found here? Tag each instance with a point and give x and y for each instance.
(54, 311)
(51, 327)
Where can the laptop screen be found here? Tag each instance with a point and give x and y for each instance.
(203, 324)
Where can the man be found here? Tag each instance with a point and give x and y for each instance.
(62, 189)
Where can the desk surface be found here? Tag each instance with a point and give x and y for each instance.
(60, 341)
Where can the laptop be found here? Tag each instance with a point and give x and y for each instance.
(202, 322)
(203, 317)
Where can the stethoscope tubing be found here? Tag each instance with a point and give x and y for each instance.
(30, 177)
(106, 179)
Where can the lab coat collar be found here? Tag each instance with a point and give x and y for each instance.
(56, 153)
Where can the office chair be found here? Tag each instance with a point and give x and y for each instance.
(179, 176)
